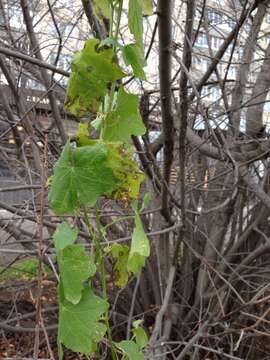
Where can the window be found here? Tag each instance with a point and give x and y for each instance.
(204, 91)
(232, 72)
(212, 94)
(35, 85)
(15, 17)
(214, 17)
(201, 40)
(216, 42)
(198, 14)
(63, 61)
(267, 106)
(66, 29)
(200, 63)
(231, 22)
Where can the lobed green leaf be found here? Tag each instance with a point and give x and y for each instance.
(125, 120)
(80, 177)
(79, 326)
(75, 268)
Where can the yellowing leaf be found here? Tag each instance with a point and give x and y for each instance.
(126, 170)
(120, 255)
(92, 71)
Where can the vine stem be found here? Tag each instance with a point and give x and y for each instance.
(103, 281)
(119, 14)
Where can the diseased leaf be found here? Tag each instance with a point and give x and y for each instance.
(147, 7)
(125, 120)
(79, 326)
(133, 56)
(75, 268)
(140, 248)
(80, 177)
(92, 71)
(135, 21)
(120, 255)
(130, 349)
(101, 8)
(126, 170)
(63, 236)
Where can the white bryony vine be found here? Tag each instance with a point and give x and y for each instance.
(95, 168)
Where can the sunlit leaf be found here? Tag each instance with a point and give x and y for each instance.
(135, 21)
(125, 120)
(80, 177)
(75, 268)
(130, 349)
(140, 248)
(79, 326)
(92, 71)
(63, 236)
(133, 56)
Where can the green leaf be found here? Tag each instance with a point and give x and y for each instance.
(145, 202)
(133, 56)
(79, 327)
(147, 7)
(126, 170)
(125, 120)
(101, 8)
(75, 268)
(140, 336)
(120, 255)
(140, 248)
(80, 177)
(135, 21)
(130, 349)
(63, 236)
(92, 71)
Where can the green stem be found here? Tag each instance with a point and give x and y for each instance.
(111, 19)
(103, 281)
(118, 220)
(119, 14)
